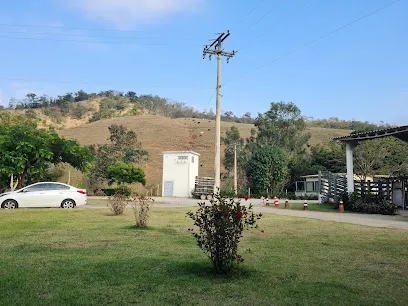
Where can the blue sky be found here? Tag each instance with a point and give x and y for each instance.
(155, 47)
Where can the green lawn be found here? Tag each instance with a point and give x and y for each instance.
(88, 257)
(313, 207)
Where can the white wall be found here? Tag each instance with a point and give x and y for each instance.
(181, 172)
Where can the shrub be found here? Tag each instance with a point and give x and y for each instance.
(123, 190)
(99, 193)
(141, 208)
(368, 203)
(117, 203)
(220, 226)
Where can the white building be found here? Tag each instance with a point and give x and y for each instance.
(180, 169)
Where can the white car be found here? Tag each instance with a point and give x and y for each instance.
(44, 194)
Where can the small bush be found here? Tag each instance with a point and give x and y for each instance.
(100, 193)
(141, 208)
(220, 226)
(117, 203)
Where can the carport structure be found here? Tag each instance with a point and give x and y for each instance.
(352, 140)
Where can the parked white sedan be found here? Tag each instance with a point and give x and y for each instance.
(45, 194)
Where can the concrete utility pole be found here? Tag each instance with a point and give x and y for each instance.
(216, 49)
(235, 171)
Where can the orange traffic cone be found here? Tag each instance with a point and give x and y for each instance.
(276, 202)
(341, 207)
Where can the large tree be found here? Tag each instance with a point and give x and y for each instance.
(267, 170)
(331, 157)
(27, 152)
(282, 126)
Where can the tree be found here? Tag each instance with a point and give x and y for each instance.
(27, 152)
(267, 170)
(331, 157)
(81, 96)
(284, 127)
(125, 173)
(369, 157)
(123, 147)
(232, 139)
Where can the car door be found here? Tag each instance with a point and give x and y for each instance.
(58, 193)
(33, 196)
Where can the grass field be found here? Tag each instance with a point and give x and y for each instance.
(87, 257)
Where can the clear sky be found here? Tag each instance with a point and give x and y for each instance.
(155, 47)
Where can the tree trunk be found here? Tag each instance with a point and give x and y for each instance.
(12, 184)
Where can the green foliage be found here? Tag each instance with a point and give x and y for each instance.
(220, 227)
(267, 170)
(121, 173)
(102, 114)
(336, 123)
(27, 152)
(282, 126)
(123, 147)
(330, 158)
(368, 204)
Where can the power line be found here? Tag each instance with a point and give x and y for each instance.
(283, 19)
(266, 14)
(322, 37)
(276, 25)
(90, 42)
(81, 29)
(251, 11)
(86, 83)
(90, 36)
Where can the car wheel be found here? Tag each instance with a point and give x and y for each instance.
(68, 204)
(9, 204)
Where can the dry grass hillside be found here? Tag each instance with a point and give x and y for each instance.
(158, 134)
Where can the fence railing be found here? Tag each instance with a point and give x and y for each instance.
(333, 186)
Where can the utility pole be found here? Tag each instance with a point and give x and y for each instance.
(235, 171)
(216, 49)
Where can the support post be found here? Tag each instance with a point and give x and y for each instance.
(219, 52)
(235, 171)
(350, 168)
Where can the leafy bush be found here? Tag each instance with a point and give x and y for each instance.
(78, 110)
(220, 226)
(369, 204)
(123, 190)
(103, 114)
(121, 172)
(141, 208)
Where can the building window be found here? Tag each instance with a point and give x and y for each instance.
(182, 157)
(192, 159)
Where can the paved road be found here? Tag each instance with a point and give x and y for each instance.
(400, 221)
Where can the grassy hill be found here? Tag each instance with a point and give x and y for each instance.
(158, 134)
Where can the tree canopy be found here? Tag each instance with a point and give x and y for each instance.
(28, 152)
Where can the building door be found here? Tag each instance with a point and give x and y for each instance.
(397, 194)
(168, 189)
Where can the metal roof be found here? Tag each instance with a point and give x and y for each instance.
(181, 152)
(400, 132)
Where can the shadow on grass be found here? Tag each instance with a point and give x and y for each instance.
(204, 269)
(138, 228)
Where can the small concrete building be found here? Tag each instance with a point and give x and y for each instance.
(180, 168)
